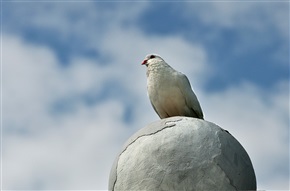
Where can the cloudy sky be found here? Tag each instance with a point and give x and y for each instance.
(74, 90)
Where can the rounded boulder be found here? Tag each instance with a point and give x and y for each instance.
(182, 153)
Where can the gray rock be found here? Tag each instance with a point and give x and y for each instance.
(182, 153)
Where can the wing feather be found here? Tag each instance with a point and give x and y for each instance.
(190, 97)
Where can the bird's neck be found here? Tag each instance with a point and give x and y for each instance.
(157, 68)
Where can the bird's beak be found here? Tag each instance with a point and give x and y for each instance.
(144, 62)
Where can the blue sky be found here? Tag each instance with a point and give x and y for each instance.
(74, 90)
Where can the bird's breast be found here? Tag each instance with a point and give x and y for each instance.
(167, 99)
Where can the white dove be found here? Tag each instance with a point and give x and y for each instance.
(169, 91)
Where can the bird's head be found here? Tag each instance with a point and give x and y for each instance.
(151, 58)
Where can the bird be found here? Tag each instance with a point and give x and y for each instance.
(169, 91)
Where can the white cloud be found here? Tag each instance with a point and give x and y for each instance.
(87, 22)
(50, 151)
(75, 153)
(256, 25)
(242, 14)
(21, 67)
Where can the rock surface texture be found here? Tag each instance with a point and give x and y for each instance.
(182, 153)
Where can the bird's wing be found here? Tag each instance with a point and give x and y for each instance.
(190, 98)
(155, 109)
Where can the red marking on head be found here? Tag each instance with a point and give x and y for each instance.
(144, 62)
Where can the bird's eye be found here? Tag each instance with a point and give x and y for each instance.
(152, 56)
